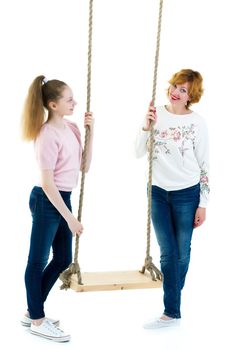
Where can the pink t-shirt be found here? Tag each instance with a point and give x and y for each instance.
(60, 150)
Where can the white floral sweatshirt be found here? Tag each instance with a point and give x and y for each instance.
(180, 152)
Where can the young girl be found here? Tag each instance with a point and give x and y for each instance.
(58, 152)
(179, 183)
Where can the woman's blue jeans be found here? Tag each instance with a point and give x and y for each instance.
(173, 214)
(49, 230)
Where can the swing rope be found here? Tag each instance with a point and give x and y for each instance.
(148, 265)
(74, 267)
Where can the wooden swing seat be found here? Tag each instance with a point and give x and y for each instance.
(115, 280)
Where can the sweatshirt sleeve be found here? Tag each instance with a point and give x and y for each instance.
(140, 143)
(202, 156)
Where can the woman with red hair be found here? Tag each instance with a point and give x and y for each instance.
(180, 186)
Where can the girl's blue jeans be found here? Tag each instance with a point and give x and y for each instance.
(173, 214)
(49, 230)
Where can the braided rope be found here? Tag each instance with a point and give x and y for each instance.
(148, 265)
(74, 267)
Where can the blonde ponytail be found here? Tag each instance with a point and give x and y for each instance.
(41, 92)
(33, 113)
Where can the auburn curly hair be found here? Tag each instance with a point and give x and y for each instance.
(194, 78)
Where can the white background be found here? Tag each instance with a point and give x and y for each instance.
(50, 37)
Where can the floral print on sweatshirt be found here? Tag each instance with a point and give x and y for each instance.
(179, 135)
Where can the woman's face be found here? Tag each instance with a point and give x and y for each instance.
(178, 94)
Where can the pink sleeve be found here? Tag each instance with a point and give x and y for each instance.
(74, 127)
(47, 148)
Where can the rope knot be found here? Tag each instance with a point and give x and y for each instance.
(66, 275)
(148, 262)
(154, 271)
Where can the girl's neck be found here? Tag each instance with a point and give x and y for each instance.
(179, 110)
(57, 121)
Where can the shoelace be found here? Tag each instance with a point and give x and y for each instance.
(52, 328)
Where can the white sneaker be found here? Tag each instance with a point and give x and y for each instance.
(26, 321)
(49, 331)
(159, 323)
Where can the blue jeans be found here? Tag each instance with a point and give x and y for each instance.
(49, 230)
(173, 215)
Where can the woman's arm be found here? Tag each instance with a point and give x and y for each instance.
(202, 156)
(200, 217)
(143, 133)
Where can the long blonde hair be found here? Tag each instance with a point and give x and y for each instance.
(40, 93)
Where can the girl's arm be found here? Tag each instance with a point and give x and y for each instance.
(51, 191)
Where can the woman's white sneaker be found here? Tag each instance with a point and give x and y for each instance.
(160, 323)
(49, 331)
(26, 321)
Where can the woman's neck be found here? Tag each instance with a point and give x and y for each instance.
(179, 110)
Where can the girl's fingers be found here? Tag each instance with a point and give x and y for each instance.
(88, 120)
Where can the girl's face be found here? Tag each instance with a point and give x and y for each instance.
(178, 94)
(65, 105)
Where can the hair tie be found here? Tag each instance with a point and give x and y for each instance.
(45, 80)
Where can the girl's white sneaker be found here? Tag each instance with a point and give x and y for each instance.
(49, 331)
(26, 321)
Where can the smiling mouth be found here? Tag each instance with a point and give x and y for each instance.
(174, 98)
